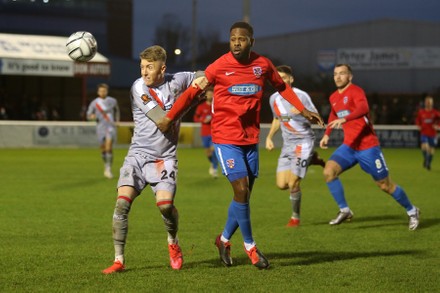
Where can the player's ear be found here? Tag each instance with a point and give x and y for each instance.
(163, 68)
(252, 41)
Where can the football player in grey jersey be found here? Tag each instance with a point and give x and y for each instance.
(297, 152)
(151, 158)
(105, 110)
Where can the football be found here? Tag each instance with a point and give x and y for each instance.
(81, 46)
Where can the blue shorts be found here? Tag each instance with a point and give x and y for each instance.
(238, 161)
(431, 141)
(370, 160)
(207, 141)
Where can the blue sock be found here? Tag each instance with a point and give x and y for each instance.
(231, 223)
(214, 161)
(429, 159)
(243, 216)
(337, 192)
(400, 196)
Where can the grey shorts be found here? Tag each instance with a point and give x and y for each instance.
(139, 171)
(106, 132)
(296, 157)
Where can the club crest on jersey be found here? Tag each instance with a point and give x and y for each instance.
(230, 163)
(345, 100)
(257, 71)
(145, 98)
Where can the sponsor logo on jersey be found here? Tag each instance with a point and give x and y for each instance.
(229, 73)
(257, 71)
(284, 118)
(244, 89)
(230, 163)
(342, 113)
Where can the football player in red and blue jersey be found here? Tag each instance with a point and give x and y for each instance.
(350, 111)
(427, 120)
(203, 114)
(238, 78)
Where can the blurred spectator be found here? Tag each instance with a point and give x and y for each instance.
(3, 113)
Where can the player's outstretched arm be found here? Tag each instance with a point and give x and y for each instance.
(313, 117)
(288, 94)
(178, 108)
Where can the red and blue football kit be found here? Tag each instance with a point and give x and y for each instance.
(238, 92)
(426, 120)
(352, 105)
(203, 111)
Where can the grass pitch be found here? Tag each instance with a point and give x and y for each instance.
(56, 213)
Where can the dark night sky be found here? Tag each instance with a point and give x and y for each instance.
(274, 17)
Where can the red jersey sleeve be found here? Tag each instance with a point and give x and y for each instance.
(362, 108)
(183, 102)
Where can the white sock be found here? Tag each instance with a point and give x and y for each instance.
(249, 246)
(345, 210)
(120, 258)
(223, 239)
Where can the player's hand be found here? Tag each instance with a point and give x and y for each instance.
(92, 117)
(337, 123)
(324, 141)
(313, 117)
(269, 144)
(164, 124)
(200, 82)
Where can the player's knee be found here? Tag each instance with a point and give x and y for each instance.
(122, 208)
(294, 184)
(329, 174)
(282, 185)
(386, 185)
(166, 208)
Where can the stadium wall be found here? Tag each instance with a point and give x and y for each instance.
(34, 134)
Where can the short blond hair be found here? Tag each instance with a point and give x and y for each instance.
(154, 53)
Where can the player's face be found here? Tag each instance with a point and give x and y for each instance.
(240, 43)
(429, 103)
(286, 78)
(209, 95)
(342, 77)
(102, 92)
(152, 72)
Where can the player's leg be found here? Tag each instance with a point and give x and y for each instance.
(430, 151)
(108, 154)
(210, 153)
(131, 182)
(214, 160)
(424, 146)
(295, 200)
(300, 157)
(373, 162)
(342, 159)
(124, 200)
(240, 166)
(164, 188)
(317, 160)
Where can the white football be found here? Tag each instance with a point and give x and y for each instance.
(81, 46)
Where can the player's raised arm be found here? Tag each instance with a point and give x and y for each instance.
(179, 107)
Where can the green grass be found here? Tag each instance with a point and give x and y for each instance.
(56, 213)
